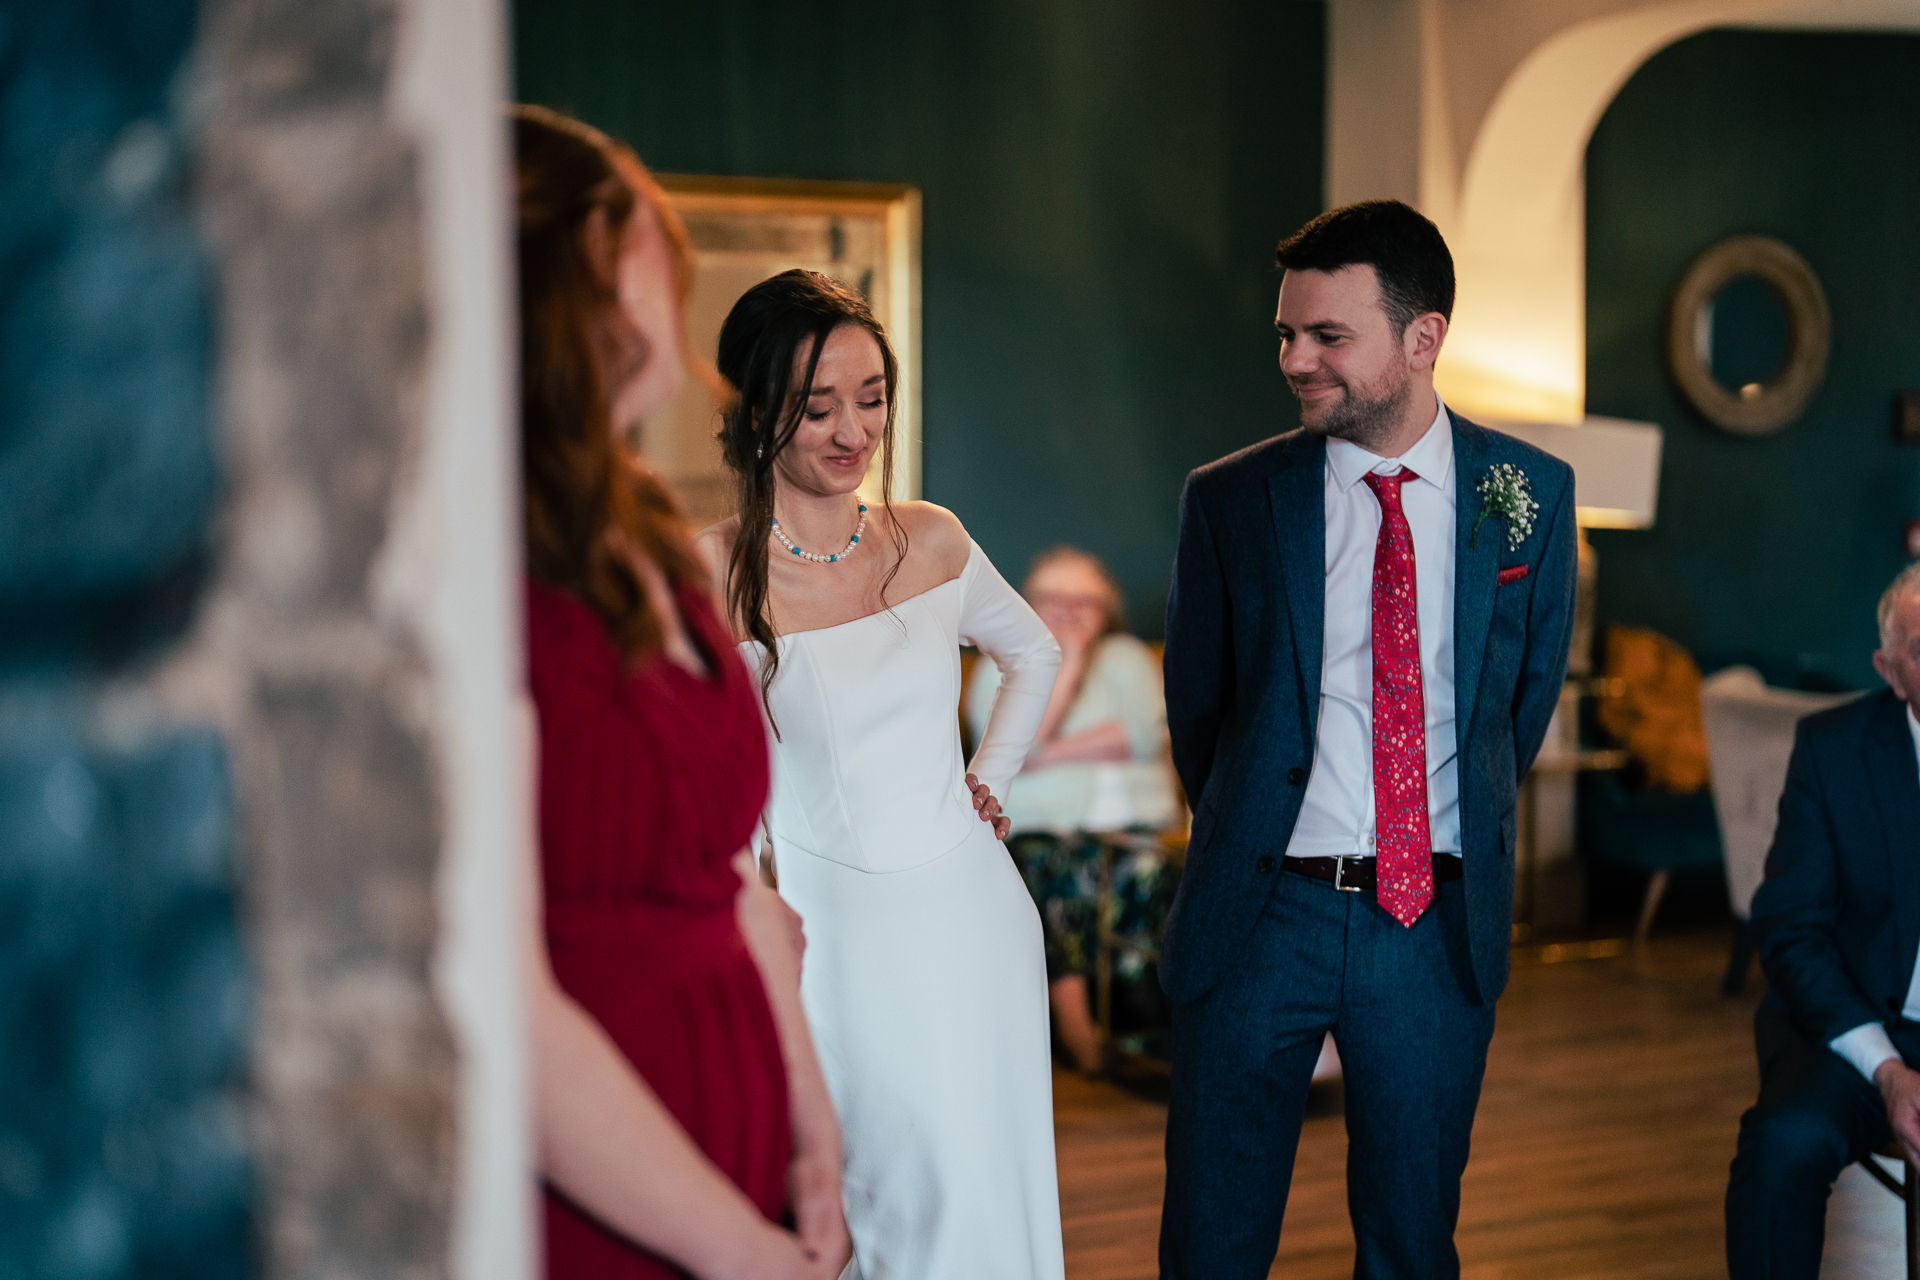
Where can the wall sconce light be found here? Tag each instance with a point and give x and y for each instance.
(1906, 417)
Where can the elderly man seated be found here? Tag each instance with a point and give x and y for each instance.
(1838, 919)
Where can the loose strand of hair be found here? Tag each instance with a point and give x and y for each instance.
(897, 532)
(750, 597)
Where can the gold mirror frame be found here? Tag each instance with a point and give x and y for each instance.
(1753, 410)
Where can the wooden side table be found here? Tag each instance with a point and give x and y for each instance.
(1561, 756)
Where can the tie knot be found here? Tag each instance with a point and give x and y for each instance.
(1387, 488)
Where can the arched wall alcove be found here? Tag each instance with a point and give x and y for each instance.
(1480, 115)
(1772, 550)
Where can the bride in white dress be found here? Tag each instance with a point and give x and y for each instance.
(924, 978)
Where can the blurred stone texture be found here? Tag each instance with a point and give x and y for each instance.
(212, 335)
(310, 198)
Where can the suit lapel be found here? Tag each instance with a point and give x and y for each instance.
(1297, 496)
(1895, 778)
(1475, 571)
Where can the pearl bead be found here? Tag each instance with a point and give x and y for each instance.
(816, 558)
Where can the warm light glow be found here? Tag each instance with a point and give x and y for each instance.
(1517, 345)
(1608, 518)
(1492, 389)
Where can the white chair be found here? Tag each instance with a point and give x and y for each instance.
(1750, 730)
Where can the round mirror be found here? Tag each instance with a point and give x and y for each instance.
(1741, 333)
(1749, 335)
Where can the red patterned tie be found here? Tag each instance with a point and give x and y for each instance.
(1403, 879)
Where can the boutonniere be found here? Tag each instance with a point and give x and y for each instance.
(1506, 495)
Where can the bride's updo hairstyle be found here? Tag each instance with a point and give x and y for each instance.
(776, 325)
(588, 504)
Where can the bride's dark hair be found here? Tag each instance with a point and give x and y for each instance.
(774, 327)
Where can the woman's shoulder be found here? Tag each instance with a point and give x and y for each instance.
(1127, 653)
(937, 533)
(566, 641)
(552, 611)
(714, 546)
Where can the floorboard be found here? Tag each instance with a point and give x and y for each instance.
(1613, 1093)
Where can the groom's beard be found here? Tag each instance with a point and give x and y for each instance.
(1366, 416)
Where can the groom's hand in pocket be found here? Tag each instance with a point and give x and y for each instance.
(988, 808)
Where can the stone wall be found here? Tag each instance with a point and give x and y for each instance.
(310, 197)
(224, 761)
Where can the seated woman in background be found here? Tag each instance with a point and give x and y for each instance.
(1098, 766)
(680, 1112)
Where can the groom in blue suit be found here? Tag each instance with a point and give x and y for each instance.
(1366, 638)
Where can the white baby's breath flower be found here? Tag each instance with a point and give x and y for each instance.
(1505, 494)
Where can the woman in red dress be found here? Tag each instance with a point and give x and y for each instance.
(681, 1113)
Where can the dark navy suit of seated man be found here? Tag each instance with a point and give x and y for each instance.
(1366, 637)
(1838, 919)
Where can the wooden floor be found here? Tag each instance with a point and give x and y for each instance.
(1614, 1090)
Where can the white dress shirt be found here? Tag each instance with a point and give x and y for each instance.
(1337, 813)
(1867, 1045)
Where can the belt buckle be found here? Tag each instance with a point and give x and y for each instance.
(1339, 870)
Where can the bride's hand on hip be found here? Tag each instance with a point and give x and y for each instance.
(988, 808)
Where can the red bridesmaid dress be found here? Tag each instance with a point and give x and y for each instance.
(650, 782)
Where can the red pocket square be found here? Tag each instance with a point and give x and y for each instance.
(1514, 574)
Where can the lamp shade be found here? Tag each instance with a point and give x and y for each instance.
(1616, 467)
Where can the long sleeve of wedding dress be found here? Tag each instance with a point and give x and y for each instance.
(996, 620)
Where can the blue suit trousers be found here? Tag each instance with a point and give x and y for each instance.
(1414, 1050)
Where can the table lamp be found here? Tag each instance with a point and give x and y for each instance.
(1616, 485)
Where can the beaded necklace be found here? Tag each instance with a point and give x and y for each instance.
(815, 556)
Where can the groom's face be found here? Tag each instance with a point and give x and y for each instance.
(1340, 354)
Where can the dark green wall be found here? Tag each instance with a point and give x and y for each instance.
(1769, 551)
(124, 987)
(1104, 182)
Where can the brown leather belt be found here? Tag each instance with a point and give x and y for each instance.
(1355, 875)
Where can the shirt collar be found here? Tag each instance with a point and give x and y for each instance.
(1431, 457)
(1913, 727)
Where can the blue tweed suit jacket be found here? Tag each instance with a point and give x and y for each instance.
(1245, 639)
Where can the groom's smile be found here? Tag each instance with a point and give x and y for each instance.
(1341, 354)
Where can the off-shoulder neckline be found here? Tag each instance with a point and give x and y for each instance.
(973, 552)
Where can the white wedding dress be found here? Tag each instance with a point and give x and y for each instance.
(924, 979)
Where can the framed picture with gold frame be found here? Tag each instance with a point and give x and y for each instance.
(865, 235)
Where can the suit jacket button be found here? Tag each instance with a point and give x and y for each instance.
(1264, 864)
(1296, 775)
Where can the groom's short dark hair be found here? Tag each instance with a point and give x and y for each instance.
(1404, 249)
